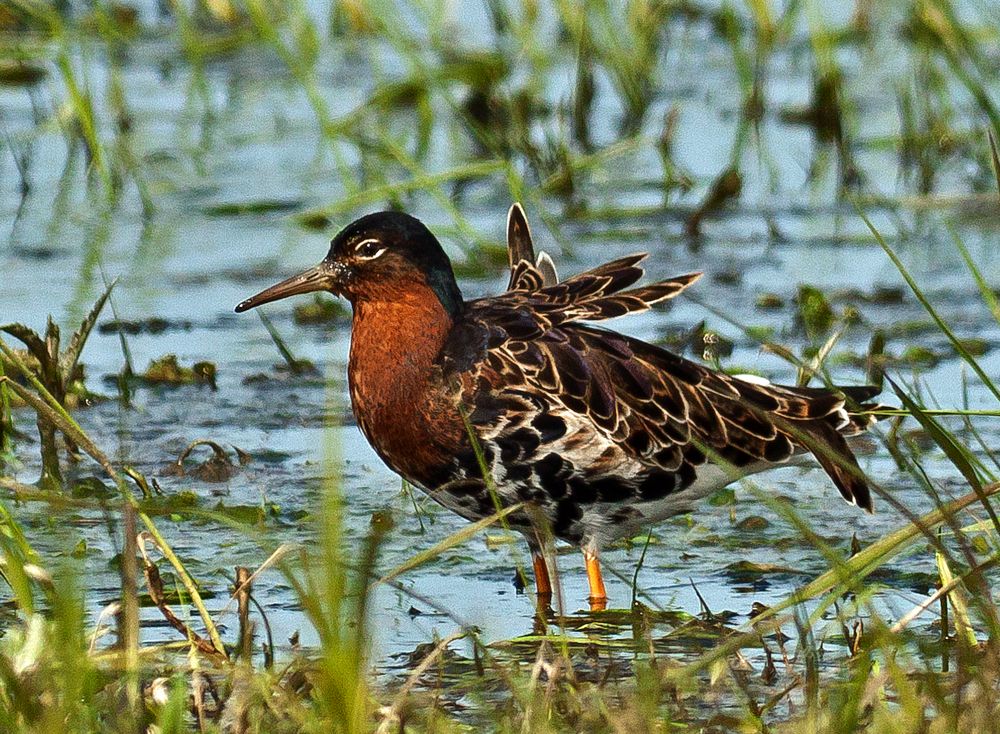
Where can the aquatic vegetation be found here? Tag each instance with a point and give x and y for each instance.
(173, 145)
(167, 371)
(217, 468)
(57, 370)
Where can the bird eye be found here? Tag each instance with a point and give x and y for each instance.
(369, 249)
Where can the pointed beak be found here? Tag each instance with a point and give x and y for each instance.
(323, 277)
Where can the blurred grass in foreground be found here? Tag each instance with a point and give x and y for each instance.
(832, 663)
(56, 673)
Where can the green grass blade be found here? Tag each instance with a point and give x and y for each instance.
(989, 297)
(942, 438)
(955, 342)
(963, 622)
(286, 353)
(959, 456)
(451, 541)
(995, 157)
(49, 407)
(71, 357)
(836, 582)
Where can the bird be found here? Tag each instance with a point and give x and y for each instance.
(524, 400)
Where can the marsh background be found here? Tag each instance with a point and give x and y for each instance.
(196, 152)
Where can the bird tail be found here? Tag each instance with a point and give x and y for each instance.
(827, 440)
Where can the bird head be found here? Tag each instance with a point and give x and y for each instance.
(377, 258)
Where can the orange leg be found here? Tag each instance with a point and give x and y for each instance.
(598, 595)
(543, 584)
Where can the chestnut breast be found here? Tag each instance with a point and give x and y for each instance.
(403, 406)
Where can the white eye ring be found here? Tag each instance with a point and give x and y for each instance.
(363, 244)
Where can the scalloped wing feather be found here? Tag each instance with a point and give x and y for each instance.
(637, 422)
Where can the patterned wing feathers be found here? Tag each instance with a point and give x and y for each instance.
(666, 413)
(527, 273)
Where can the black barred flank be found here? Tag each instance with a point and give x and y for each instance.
(599, 429)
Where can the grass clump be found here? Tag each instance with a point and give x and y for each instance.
(898, 633)
(59, 372)
(827, 658)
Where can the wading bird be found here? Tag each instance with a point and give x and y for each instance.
(519, 398)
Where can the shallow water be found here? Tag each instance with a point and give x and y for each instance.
(252, 139)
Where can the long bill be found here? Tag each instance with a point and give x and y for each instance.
(318, 278)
